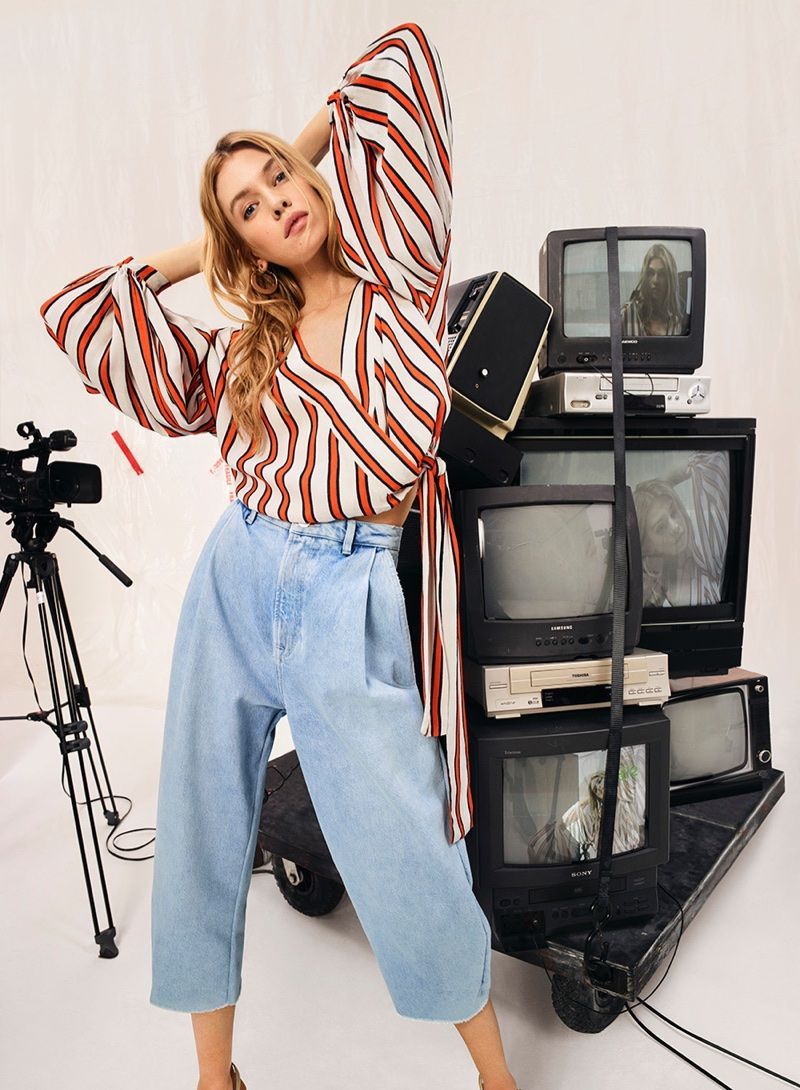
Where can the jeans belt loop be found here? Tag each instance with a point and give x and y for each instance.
(349, 534)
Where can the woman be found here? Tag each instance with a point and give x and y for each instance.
(683, 559)
(328, 404)
(654, 308)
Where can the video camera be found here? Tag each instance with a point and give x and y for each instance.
(38, 490)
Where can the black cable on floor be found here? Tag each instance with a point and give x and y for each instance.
(676, 1051)
(719, 1048)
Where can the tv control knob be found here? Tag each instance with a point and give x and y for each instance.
(764, 756)
(698, 392)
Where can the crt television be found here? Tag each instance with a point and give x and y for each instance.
(537, 791)
(537, 572)
(719, 735)
(662, 299)
(692, 485)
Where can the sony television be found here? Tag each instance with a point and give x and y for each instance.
(537, 792)
(719, 736)
(692, 484)
(662, 274)
(537, 572)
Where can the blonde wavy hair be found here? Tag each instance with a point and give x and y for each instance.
(232, 277)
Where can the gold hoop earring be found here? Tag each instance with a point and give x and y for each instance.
(274, 286)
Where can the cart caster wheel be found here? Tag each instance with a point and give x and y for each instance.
(309, 893)
(260, 854)
(582, 1007)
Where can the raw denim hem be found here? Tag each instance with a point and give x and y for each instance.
(192, 1010)
(451, 1021)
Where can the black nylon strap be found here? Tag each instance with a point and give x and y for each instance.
(595, 950)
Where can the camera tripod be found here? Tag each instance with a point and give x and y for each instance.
(34, 530)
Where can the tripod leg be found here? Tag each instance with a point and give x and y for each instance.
(82, 698)
(9, 571)
(72, 735)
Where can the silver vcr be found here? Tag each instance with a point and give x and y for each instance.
(590, 392)
(524, 688)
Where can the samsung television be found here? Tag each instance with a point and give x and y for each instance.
(538, 788)
(692, 485)
(662, 299)
(537, 572)
(720, 740)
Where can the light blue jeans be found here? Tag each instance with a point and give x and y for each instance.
(307, 620)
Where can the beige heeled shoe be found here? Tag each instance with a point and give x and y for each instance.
(480, 1082)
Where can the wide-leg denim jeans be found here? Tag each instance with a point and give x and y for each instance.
(307, 620)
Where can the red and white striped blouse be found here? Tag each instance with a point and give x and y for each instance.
(344, 445)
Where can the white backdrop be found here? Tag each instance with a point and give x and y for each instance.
(566, 114)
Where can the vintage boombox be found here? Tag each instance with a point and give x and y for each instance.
(495, 330)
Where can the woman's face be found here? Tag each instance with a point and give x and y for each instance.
(655, 280)
(258, 197)
(665, 532)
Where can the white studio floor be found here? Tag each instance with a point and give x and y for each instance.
(314, 1010)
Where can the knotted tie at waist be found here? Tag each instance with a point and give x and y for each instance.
(442, 681)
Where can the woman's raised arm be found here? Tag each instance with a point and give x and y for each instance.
(314, 140)
(179, 262)
(159, 367)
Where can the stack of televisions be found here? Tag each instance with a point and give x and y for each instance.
(530, 467)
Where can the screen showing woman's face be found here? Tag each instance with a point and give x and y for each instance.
(665, 532)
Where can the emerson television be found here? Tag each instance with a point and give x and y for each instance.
(662, 299)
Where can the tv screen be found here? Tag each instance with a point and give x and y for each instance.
(552, 806)
(682, 500)
(710, 740)
(547, 562)
(655, 288)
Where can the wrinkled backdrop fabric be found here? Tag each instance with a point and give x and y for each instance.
(569, 114)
